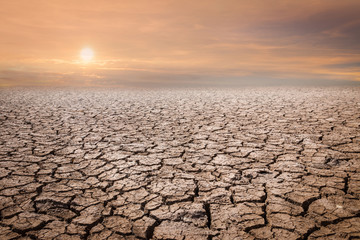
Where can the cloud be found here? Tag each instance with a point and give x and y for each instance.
(25, 78)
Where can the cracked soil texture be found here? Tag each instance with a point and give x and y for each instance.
(262, 163)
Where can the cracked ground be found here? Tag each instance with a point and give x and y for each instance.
(253, 163)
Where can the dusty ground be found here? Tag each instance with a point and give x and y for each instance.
(225, 164)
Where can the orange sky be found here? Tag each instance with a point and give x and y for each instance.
(179, 43)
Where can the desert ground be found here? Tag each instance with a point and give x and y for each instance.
(247, 163)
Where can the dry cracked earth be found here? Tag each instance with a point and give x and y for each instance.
(262, 163)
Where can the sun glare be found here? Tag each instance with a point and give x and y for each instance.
(86, 54)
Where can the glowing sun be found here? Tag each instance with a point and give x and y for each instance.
(86, 54)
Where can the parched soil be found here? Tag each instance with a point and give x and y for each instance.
(252, 163)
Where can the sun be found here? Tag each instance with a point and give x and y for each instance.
(86, 54)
